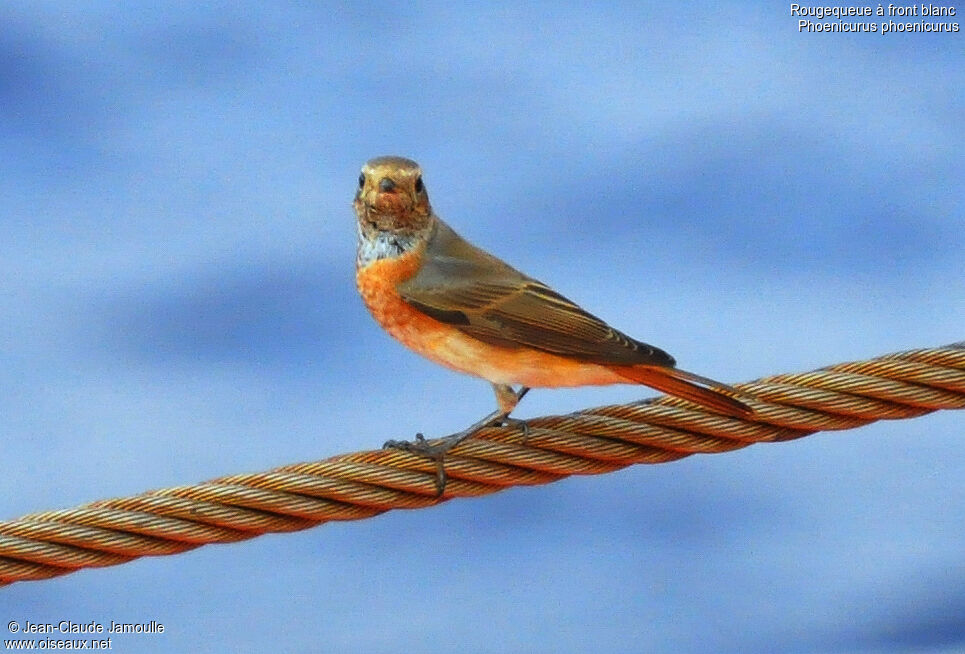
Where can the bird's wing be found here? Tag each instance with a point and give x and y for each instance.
(478, 294)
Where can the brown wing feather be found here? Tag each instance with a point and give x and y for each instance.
(480, 295)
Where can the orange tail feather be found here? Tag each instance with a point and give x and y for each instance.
(681, 383)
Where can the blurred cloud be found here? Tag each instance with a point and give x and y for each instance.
(252, 315)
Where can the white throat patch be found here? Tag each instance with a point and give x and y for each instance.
(381, 245)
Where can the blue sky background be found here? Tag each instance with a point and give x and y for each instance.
(178, 303)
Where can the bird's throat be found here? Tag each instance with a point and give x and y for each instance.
(375, 244)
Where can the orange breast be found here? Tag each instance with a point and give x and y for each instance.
(450, 347)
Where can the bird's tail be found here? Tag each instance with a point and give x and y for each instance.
(687, 385)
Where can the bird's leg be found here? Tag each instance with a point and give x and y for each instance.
(506, 398)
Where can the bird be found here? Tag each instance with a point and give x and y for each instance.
(465, 309)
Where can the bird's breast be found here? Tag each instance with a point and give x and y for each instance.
(377, 282)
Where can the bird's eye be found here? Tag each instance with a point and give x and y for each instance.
(361, 180)
(419, 186)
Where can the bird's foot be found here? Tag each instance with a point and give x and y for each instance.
(418, 445)
(437, 449)
(521, 425)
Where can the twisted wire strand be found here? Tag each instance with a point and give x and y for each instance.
(364, 484)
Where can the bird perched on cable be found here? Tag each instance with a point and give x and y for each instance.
(462, 307)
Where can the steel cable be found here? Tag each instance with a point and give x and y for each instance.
(364, 484)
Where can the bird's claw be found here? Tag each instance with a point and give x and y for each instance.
(437, 451)
(417, 445)
(521, 425)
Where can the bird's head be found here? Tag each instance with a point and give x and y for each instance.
(391, 197)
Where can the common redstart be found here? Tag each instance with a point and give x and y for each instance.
(462, 307)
